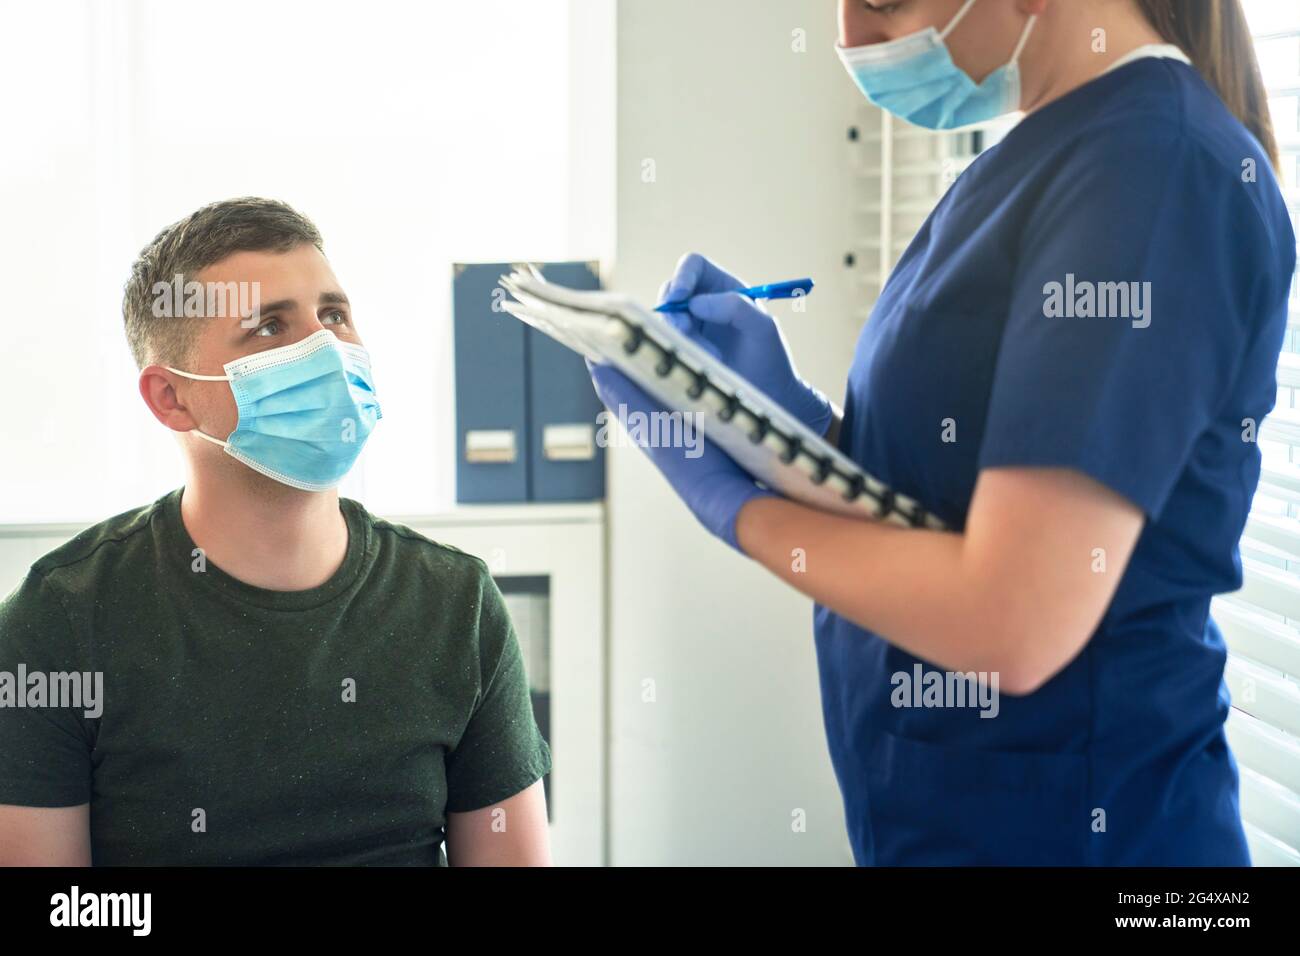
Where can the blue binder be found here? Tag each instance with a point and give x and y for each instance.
(525, 407)
(565, 462)
(491, 389)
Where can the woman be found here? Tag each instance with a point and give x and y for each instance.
(1066, 366)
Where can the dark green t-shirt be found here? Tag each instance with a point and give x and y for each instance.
(336, 725)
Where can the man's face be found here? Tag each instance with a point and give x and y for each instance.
(297, 294)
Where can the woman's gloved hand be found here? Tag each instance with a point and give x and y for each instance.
(744, 336)
(711, 484)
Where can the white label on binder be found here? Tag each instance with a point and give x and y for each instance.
(490, 446)
(569, 442)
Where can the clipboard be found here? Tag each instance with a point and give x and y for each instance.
(777, 449)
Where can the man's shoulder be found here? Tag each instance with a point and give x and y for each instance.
(107, 540)
(410, 546)
(82, 568)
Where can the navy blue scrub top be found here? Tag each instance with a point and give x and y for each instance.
(1120, 759)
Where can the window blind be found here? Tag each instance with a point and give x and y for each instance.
(903, 171)
(1261, 622)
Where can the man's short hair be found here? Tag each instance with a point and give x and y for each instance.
(220, 229)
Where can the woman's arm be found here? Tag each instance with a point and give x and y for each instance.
(1019, 592)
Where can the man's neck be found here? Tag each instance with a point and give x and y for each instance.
(263, 533)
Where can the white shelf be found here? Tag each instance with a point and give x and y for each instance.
(529, 513)
(526, 513)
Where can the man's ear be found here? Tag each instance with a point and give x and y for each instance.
(160, 390)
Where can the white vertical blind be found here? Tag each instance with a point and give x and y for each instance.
(1262, 621)
(903, 171)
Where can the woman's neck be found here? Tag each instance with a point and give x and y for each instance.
(1076, 43)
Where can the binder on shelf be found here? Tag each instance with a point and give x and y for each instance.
(565, 463)
(491, 390)
(525, 407)
(765, 440)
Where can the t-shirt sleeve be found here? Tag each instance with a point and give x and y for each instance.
(502, 751)
(45, 750)
(1144, 273)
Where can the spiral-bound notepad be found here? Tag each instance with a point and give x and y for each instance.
(765, 440)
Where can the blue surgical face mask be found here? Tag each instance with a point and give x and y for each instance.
(305, 410)
(915, 78)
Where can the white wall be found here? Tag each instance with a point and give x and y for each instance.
(751, 168)
(414, 134)
(748, 141)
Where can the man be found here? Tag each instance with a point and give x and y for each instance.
(286, 678)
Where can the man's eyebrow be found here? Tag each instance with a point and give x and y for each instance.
(334, 298)
(278, 305)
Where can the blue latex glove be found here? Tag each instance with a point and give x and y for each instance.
(712, 485)
(744, 336)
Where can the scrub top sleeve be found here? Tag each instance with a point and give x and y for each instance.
(1138, 288)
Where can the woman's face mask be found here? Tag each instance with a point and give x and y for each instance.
(915, 78)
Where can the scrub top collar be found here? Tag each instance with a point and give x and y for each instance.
(1168, 50)
(1044, 126)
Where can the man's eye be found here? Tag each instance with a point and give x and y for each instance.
(884, 8)
(264, 329)
(342, 316)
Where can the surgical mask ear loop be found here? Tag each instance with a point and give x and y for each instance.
(203, 378)
(956, 19)
(199, 378)
(1020, 44)
(215, 441)
(1011, 64)
(1024, 38)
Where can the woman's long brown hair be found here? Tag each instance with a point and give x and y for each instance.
(1216, 38)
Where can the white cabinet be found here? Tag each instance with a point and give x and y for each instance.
(550, 562)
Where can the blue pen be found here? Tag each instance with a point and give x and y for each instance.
(773, 290)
